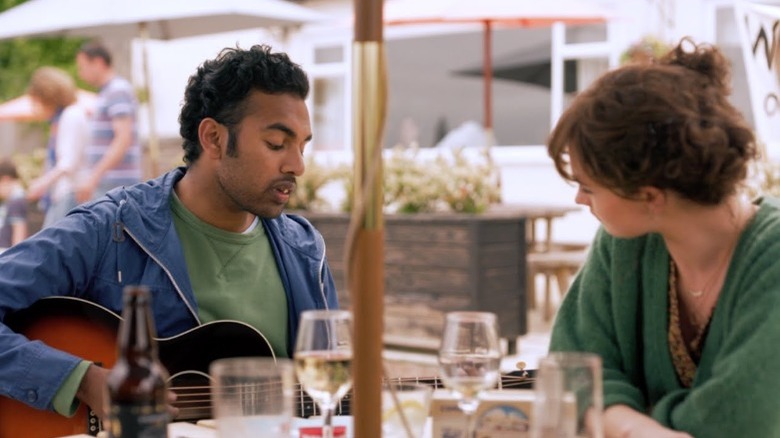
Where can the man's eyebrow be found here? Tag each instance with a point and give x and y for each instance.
(286, 129)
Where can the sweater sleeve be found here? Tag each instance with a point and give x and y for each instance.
(586, 321)
(735, 392)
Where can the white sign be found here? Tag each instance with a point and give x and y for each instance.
(759, 25)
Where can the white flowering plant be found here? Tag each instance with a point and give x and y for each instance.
(467, 185)
(453, 181)
(308, 193)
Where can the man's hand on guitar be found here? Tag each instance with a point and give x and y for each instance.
(92, 392)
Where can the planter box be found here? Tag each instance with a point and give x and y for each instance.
(435, 263)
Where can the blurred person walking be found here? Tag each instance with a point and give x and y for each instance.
(114, 152)
(13, 206)
(54, 91)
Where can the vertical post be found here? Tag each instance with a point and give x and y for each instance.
(556, 72)
(365, 239)
(487, 78)
(153, 139)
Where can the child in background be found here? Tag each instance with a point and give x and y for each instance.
(13, 206)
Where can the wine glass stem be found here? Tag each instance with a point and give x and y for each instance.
(469, 407)
(469, 424)
(327, 427)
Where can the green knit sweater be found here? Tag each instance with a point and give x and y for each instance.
(617, 307)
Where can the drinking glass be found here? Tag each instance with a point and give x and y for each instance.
(569, 398)
(469, 358)
(252, 396)
(323, 359)
(405, 409)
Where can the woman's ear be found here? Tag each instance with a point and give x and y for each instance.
(213, 137)
(653, 197)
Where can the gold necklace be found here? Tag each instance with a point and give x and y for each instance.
(706, 287)
(723, 265)
(741, 217)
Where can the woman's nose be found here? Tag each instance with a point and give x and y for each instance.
(581, 198)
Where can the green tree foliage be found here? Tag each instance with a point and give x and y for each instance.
(19, 57)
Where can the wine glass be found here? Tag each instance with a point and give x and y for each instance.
(469, 358)
(323, 359)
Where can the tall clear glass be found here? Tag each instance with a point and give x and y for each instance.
(469, 358)
(569, 397)
(323, 359)
(252, 396)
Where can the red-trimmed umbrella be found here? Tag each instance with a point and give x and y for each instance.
(490, 13)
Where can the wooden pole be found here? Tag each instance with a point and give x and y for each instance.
(153, 140)
(487, 72)
(487, 77)
(365, 239)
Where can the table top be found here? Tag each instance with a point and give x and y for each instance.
(535, 209)
(189, 430)
(175, 430)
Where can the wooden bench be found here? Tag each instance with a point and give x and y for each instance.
(559, 262)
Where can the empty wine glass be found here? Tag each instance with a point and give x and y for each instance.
(323, 359)
(469, 358)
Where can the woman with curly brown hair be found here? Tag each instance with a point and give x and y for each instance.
(680, 295)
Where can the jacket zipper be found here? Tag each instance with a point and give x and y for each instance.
(320, 275)
(167, 272)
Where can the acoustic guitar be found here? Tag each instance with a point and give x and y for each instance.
(89, 331)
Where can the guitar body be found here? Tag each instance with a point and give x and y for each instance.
(89, 331)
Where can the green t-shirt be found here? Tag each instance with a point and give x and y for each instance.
(234, 276)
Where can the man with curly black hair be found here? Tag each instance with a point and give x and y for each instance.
(209, 239)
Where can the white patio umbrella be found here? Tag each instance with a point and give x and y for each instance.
(158, 19)
(490, 13)
(165, 19)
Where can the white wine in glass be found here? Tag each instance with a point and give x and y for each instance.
(469, 358)
(323, 359)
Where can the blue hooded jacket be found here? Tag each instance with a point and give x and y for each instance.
(128, 237)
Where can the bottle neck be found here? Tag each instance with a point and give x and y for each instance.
(137, 333)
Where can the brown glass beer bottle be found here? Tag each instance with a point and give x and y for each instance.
(137, 387)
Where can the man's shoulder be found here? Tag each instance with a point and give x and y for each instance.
(144, 197)
(118, 83)
(293, 224)
(297, 232)
(118, 88)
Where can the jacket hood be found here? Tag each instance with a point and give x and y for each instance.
(144, 210)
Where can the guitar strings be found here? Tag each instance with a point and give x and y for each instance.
(193, 395)
(434, 381)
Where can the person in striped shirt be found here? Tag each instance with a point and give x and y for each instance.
(114, 152)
